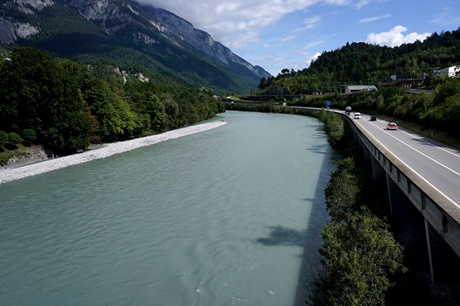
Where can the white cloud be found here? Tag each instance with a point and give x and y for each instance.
(237, 23)
(362, 3)
(312, 22)
(394, 37)
(312, 58)
(446, 17)
(288, 38)
(313, 44)
(371, 19)
(309, 23)
(338, 2)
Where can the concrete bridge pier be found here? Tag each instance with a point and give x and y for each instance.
(412, 226)
(378, 173)
(433, 256)
(362, 145)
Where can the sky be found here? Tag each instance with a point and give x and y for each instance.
(289, 34)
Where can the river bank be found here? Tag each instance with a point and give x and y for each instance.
(16, 173)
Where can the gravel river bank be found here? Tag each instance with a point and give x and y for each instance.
(12, 174)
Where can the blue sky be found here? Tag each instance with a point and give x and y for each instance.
(278, 34)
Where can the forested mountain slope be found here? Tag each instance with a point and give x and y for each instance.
(65, 105)
(134, 37)
(362, 63)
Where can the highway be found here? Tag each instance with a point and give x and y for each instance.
(435, 163)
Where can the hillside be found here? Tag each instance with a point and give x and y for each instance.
(66, 106)
(133, 37)
(362, 63)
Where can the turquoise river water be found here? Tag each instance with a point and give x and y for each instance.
(229, 216)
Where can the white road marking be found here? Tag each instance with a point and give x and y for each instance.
(429, 143)
(421, 177)
(421, 153)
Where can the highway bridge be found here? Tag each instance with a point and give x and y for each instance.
(419, 170)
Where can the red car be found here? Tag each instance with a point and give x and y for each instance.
(392, 126)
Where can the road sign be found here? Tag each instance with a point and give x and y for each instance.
(328, 103)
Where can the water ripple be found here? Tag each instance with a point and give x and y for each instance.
(217, 218)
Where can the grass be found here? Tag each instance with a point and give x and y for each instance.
(6, 155)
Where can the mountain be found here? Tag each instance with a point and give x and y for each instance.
(135, 37)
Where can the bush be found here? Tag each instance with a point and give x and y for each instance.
(333, 126)
(341, 193)
(29, 135)
(359, 255)
(14, 138)
(3, 138)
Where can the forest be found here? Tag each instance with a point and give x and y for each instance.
(64, 32)
(439, 109)
(435, 106)
(362, 63)
(65, 106)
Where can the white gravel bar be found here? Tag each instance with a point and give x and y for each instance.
(8, 175)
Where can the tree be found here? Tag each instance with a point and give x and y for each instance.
(359, 257)
(3, 138)
(263, 83)
(14, 138)
(333, 126)
(29, 135)
(171, 108)
(342, 190)
(38, 94)
(64, 115)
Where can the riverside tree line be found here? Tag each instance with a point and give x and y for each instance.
(360, 256)
(65, 105)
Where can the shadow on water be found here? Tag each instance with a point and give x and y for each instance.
(284, 236)
(310, 238)
(319, 147)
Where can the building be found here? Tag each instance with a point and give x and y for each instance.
(451, 71)
(404, 81)
(349, 89)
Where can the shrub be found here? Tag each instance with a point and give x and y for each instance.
(14, 138)
(3, 138)
(29, 135)
(360, 256)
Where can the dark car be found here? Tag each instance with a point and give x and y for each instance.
(373, 118)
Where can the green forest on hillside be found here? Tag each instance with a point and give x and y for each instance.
(436, 106)
(362, 63)
(439, 109)
(66, 106)
(66, 33)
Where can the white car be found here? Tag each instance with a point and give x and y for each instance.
(392, 126)
(357, 116)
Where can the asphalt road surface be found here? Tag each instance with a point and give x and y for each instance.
(436, 163)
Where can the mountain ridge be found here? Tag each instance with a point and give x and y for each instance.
(105, 26)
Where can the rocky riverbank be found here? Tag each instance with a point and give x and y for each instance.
(39, 162)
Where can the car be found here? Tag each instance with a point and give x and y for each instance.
(348, 110)
(373, 118)
(357, 116)
(392, 126)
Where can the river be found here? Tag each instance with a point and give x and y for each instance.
(229, 216)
